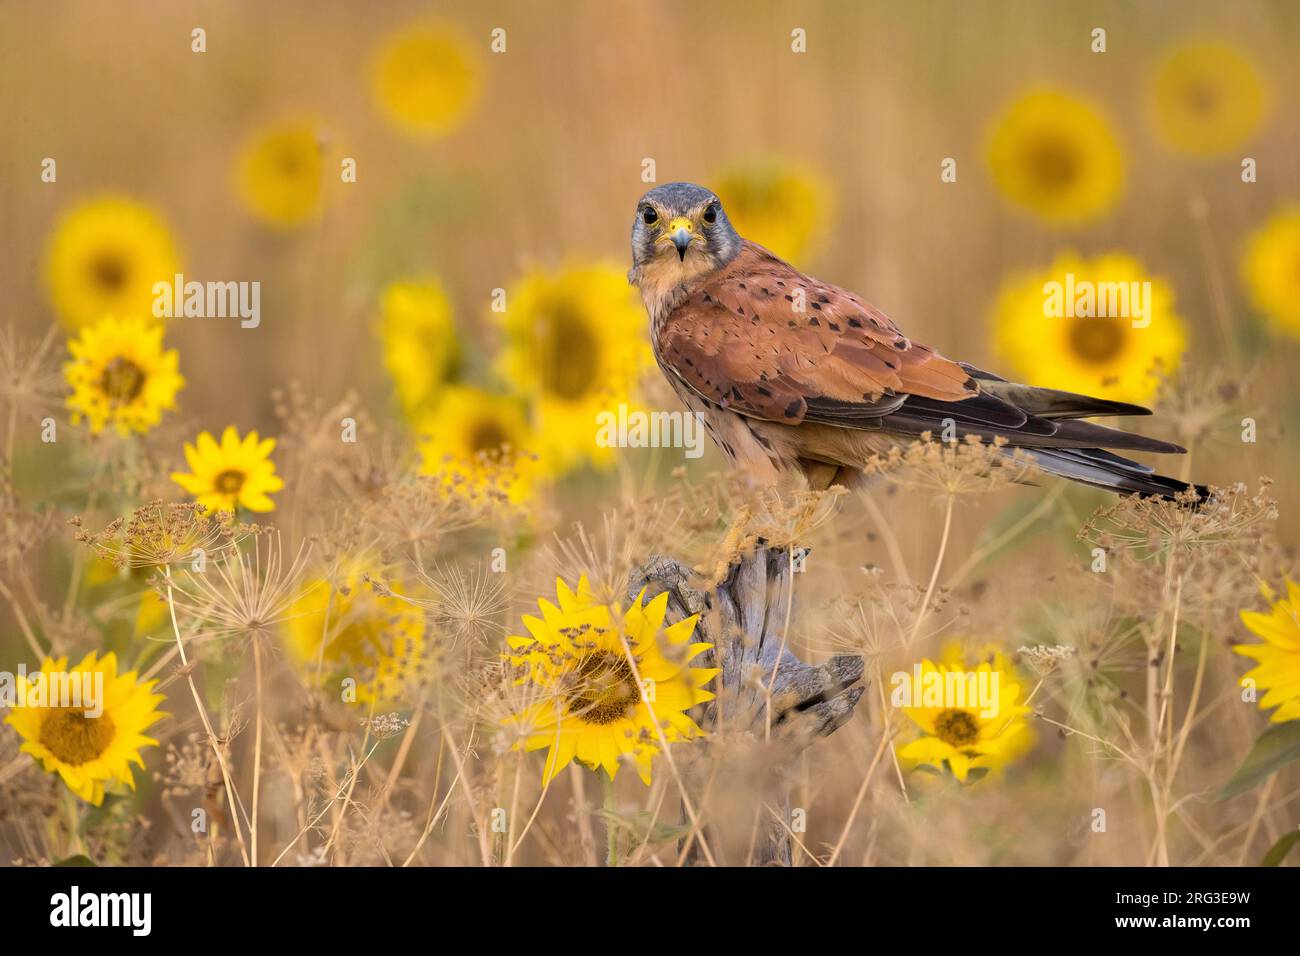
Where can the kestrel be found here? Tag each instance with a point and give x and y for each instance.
(792, 374)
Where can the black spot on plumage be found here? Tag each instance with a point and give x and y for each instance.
(792, 410)
(789, 298)
(817, 306)
(814, 321)
(901, 345)
(834, 327)
(765, 392)
(854, 323)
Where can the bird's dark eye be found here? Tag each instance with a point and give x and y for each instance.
(711, 214)
(649, 216)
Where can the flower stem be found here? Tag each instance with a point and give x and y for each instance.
(611, 831)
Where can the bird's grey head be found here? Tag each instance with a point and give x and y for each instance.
(681, 228)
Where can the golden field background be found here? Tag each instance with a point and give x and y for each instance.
(543, 173)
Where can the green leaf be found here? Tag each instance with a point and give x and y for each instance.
(79, 860)
(1278, 851)
(1275, 748)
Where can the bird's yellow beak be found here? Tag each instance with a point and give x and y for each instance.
(680, 231)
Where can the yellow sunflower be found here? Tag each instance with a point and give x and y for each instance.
(88, 752)
(597, 703)
(1057, 157)
(418, 335)
(479, 443)
(781, 206)
(345, 630)
(964, 734)
(236, 473)
(121, 376)
(426, 79)
(1278, 658)
(279, 175)
(1073, 326)
(104, 257)
(576, 345)
(1271, 269)
(1207, 99)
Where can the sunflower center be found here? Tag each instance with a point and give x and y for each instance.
(109, 271)
(122, 380)
(488, 436)
(1054, 163)
(1096, 339)
(605, 689)
(957, 727)
(1202, 97)
(229, 482)
(569, 354)
(75, 738)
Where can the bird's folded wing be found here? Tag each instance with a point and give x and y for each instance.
(766, 341)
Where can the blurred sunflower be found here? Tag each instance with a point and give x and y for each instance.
(426, 79)
(89, 752)
(346, 629)
(418, 335)
(576, 345)
(1271, 269)
(1101, 354)
(279, 174)
(121, 376)
(966, 738)
(596, 705)
(1207, 98)
(104, 257)
(236, 473)
(1056, 156)
(780, 206)
(1278, 658)
(479, 443)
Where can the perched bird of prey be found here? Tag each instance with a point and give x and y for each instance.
(794, 374)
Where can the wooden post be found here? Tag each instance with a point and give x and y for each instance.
(743, 618)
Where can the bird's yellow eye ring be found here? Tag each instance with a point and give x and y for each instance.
(649, 216)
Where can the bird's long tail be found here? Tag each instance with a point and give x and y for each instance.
(1048, 426)
(1102, 469)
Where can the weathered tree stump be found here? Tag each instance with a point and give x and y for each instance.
(744, 618)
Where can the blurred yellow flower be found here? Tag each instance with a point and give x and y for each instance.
(426, 79)
(279, 175)
(1278, 658)
(480, 443)
(576, 345)
(236, 473)
(347, 631)
(88, 752)
(418, 335)
(1098, 326)
(104, 257)
(982, 726)
(783, 207)
(1056, 156)
(594, 704)
(1207, 98)
(121, 376)
(1271, 268)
